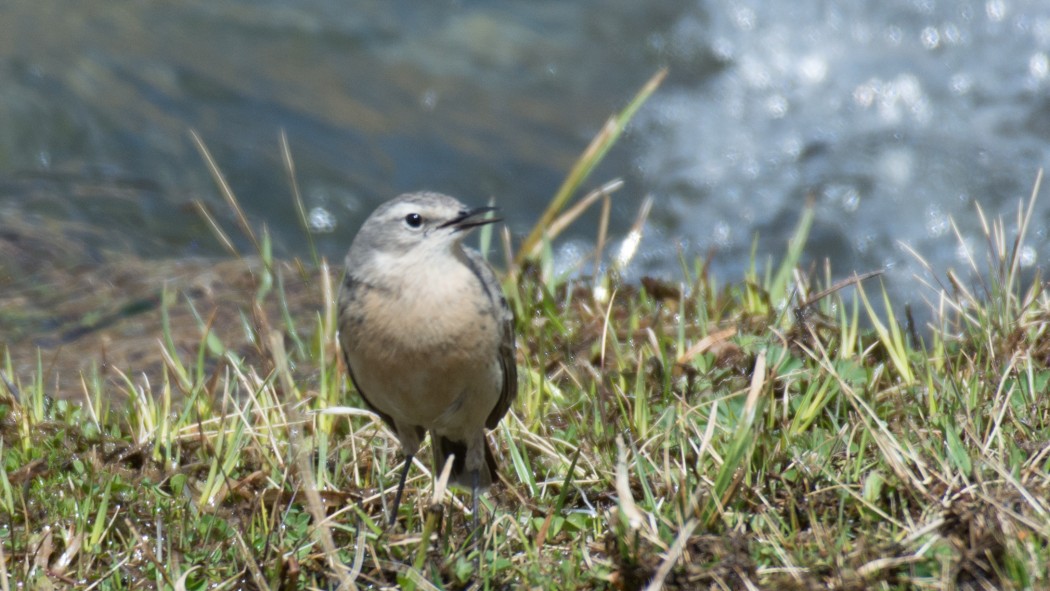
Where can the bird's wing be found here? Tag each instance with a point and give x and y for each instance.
(506, 353)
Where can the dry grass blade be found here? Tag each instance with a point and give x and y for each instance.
(628, 507)
(249, 559)
(216, 229)
(838, 286)
(224, 188)
(315, 506)
(672, 556)
(1024, 220)
(566, 219)
(4, 582)
(603, 233)
(705, 344)
(331, 311)
(883, 564)
(297, 196)
(630, 244)
(180, 584)
(105, 576)
(441, 484)
(705, 443)
(605, 328)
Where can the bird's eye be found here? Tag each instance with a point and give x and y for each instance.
(414, 220)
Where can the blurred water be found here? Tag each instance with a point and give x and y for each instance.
(896, 117)
(377, 97)
(893, 116)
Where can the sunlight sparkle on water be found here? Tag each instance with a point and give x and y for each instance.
(321, 221)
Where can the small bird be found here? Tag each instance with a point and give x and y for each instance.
(427, 335)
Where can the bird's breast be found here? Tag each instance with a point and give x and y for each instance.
(423, 344)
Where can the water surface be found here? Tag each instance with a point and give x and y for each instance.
(891, 116)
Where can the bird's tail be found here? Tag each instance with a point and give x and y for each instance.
(444, 447)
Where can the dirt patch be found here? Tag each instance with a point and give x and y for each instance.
(707, 562)
(79, 315)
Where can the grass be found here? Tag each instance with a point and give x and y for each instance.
(781, 432)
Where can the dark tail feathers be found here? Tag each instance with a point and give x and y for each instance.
(444, 447)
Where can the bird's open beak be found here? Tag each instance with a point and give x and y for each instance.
(471, 219)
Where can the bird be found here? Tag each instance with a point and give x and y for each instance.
(427, 335)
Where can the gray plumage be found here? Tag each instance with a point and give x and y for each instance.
(426, 334)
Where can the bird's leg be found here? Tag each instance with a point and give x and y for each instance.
(475, 477)
(475, 480)
(400, 488)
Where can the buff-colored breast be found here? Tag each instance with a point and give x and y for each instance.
(422, 345)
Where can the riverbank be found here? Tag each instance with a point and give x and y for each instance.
(747, 435)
